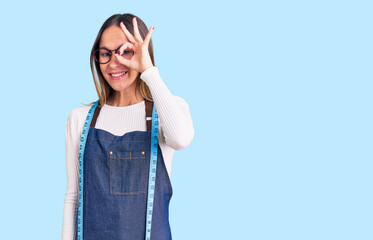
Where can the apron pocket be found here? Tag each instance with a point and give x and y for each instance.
(127, 173)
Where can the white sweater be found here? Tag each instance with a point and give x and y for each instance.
(175, 133)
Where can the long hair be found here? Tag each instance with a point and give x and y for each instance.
(104, 90)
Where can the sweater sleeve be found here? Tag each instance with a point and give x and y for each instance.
(173, 111)
(72, 169)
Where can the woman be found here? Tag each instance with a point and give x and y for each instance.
(117, 150)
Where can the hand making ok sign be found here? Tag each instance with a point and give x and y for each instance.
(140, 60)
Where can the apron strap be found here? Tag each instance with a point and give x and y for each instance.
(148, 111)
(95, 115)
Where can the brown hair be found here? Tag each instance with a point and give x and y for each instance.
(104, 90)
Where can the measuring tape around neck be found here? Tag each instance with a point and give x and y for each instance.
(152, 170)
(81, 152)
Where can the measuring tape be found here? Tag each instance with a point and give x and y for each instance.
(81, 152)
(152, 170)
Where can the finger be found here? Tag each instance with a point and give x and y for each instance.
(125, 46)
(122, 60)
(136, 30)
(127, 33)
(148, 36)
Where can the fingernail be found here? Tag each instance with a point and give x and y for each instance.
(135, 19)
(153, 27)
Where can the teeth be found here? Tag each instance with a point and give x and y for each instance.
(117, 75)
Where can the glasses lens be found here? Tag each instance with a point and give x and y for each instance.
(102, 55)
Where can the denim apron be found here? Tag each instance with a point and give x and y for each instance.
(115, 185)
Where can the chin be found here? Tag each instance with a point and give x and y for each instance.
(120, 85)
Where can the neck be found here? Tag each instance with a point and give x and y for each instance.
(120, 99)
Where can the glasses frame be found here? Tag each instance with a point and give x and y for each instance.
(111, 54)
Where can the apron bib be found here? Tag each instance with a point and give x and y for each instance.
(115, 186)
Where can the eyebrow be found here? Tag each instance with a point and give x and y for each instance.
(108, 48)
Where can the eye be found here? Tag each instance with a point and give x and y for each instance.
(104, 53)
(126, 52)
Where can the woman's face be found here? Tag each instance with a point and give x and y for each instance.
(112, 38)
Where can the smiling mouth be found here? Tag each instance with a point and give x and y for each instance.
(117, 74)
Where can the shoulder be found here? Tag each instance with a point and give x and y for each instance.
(77, 116)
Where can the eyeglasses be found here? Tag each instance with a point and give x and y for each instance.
(103, 55)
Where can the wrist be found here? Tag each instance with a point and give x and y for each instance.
(149, 74)
(146, 68)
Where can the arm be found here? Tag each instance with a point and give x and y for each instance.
(72, 168)
(173, 111)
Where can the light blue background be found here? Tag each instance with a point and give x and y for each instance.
(280, 94)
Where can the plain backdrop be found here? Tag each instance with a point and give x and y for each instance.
(280, 93)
